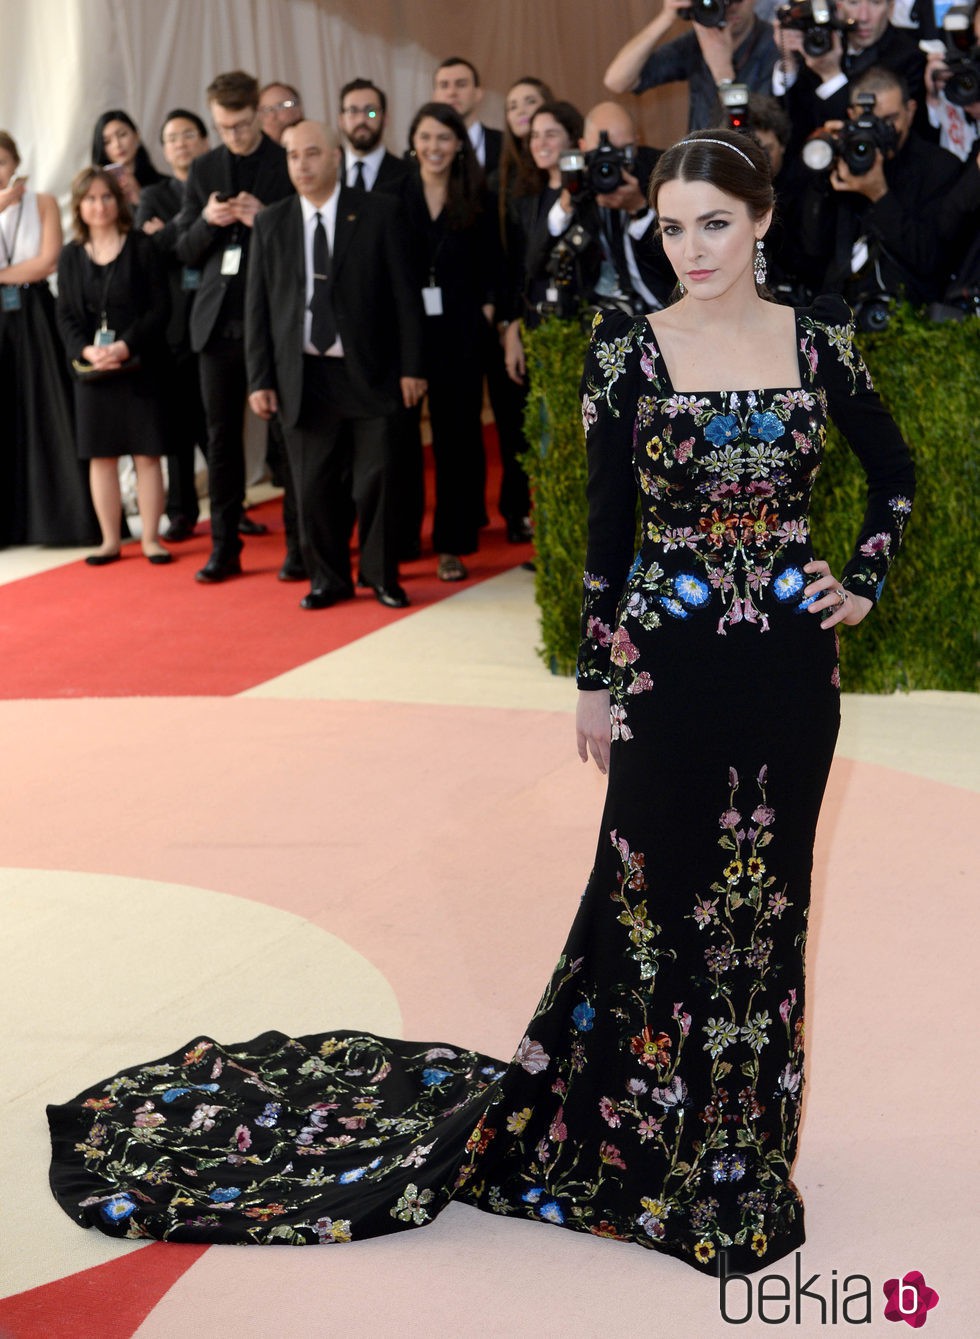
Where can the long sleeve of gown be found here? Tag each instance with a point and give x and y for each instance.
(872, 435)
(610, 365)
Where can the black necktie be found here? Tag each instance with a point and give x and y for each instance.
(323, 328)
(359, 176)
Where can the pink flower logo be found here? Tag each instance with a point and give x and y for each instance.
(909, 1299)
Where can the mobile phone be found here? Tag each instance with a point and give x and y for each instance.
(222, 197)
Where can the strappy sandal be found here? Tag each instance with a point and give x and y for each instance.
(450, 568)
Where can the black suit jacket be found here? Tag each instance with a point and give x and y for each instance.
(201, 246)
(164, 200)
(392, 175)
(493, 142)
(376, 302)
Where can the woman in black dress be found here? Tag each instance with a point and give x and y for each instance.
(44, 497)
(113, 306)
(655, 1095)
(458, 252)
(116, 144)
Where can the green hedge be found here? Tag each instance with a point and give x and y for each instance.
(924, 633)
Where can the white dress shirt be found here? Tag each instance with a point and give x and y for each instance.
(478, 138)
(372, 165)
(328, 212)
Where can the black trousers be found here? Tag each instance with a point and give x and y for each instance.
(186, 429)
(455, 405)
(507, 400)
(223, 389)
(339, 454)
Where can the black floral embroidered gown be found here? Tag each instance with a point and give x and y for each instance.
(655, 1095)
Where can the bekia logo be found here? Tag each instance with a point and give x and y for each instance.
(775, 1299)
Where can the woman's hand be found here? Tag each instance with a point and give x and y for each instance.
(514, 353)
(13, 193)
(839, 605)
(592, 727)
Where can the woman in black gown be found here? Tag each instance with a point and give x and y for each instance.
(113, 307)
(43, 492)
(655, 1095)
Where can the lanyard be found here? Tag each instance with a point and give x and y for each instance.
(11, 247)
(107, 273)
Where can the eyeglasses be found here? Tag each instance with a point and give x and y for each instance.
(236, 128)
(271, 107)
(372, 113)
(179, 136)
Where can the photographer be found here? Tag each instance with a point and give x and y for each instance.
(738, 46)
(881, 212)
(956, 119)
(817, 87)
(553, 260)
(633, 273)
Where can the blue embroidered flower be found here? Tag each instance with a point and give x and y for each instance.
(805, 604)
(354, 1174)
(766, 426)
(691, 589)
(118, 1209)
(532, 1196)
(206, 1087)
(582, 1016)
(551, 1212)
(674, 607)
(172, 1094)
(788, 583)
(225, 1195)
(634, 569)
(722, 429)
(269, 1115)
(432, 1077)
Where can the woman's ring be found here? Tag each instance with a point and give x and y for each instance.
(841, 598)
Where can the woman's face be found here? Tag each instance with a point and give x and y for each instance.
(97, 207)
(120, 143)
(523, 100)
(549, 140)
(435, 145)
(709, 237)
(8, 168)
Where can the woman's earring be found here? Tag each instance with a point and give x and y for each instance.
(680, 288)
(759, 263)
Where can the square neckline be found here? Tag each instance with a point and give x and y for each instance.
(802, 368)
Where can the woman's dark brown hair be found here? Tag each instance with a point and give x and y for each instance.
(719, 158)
(80, 187)
(7, 143)
(464, 198)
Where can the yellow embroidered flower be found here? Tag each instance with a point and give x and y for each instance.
(760, 1243)
(655, 448)
(704, 1251)
(517, 1121)
(656, 1207)
(733, 871)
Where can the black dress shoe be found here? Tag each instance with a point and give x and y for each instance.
(160, 559)
(246, 526)
(218, 569)
(392, 597)
(179, 529)
(293, 569)
(103, 559)
(519, 532)
(322, 599)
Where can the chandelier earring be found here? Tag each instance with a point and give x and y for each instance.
(680, 288)
(759, 263)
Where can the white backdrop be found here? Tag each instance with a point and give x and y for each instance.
(62, 62)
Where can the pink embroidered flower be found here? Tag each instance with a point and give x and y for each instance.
(623, 651)
(531, 1056)
(608, 1111)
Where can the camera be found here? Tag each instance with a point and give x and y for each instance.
(856, 143)
(598, 172)
(222, 197)
(734, 99)
(872, 313)
(709, 13)
(816, 20)
(962, 88)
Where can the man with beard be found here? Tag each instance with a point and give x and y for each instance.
(368, 165)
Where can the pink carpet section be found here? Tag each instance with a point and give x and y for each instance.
(108, 1302)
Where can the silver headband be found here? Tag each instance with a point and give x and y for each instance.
(725, 145)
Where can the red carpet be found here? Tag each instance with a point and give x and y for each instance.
(132, 630)
(109, 1301)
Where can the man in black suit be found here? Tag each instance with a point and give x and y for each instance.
(367, 164)
(225, 191)
(184, 137)
(457, 82)
(334, 344)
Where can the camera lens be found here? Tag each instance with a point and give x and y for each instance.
(818, 153)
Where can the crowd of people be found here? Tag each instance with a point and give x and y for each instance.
(335, 286)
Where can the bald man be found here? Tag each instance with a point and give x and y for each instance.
(333, 340)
